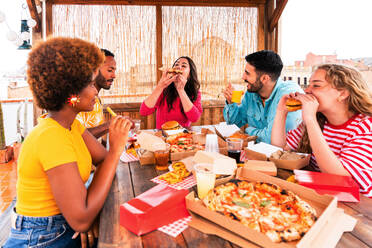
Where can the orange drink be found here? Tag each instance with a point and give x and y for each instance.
(238, 91)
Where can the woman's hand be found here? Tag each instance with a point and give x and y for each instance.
(119, 129)
(227, 92)
(88, 239)
(309, 106)
(166, 79)
(180, 82)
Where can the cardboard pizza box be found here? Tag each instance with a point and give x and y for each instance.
(325, 206)
(328, 237)
(225, 131)
(265, 167)
(262, 151)
(201, 138)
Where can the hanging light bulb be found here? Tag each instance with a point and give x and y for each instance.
(11, 35)
(31, 23)
(2, 17)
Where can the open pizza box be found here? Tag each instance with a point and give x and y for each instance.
(263, 151)
(326, 231)
(225, 131)
(198, 138)
(147, 156)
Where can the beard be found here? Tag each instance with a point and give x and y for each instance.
(255, 87)
(101, 81)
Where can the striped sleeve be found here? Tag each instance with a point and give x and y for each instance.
(356, 156)
(294, 136)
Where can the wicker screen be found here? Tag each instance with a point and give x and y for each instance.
(216, 38)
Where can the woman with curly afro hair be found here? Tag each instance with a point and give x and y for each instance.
(57, 155)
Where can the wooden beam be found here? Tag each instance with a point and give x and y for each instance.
(49, 18)
(280, 5)
(261, 27)
(159, 41)
(34, 15)
(231, 3)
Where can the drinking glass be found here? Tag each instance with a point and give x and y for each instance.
(205, 178)
(161, 153)
(137, 126)
(234, 148)
(238, 91)
(211, 143)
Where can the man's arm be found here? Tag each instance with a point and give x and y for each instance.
(100, 130)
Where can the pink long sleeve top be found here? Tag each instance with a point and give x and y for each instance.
(162, 114)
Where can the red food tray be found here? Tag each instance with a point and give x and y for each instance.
(343, 187)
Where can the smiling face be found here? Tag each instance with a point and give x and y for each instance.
(252, 79)
(106, 74)
(183, 65)
(327, 95)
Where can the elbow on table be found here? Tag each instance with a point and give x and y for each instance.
(80, 223)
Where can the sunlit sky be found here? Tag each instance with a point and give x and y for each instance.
(319, 26)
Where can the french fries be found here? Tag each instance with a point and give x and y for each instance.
(111, 112)
(177, 175)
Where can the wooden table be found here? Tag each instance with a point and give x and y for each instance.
(132, 179)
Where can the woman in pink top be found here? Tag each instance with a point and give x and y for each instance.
(337, 124)
(176, 96)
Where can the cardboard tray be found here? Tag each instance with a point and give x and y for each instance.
(279, 163)
(147, 158)
(328, 237)
(325, 206)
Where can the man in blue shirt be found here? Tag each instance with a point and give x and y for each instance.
(264, 90)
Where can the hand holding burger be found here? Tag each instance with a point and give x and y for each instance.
(293, 104)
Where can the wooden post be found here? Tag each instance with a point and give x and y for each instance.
(261, 27)
(159, 41)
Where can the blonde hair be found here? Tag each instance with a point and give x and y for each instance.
(359, 101)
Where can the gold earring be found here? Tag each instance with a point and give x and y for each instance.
(73, 100)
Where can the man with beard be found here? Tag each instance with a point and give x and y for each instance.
(264, 90)
(94, 120)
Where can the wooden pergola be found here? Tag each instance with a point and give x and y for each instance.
(269, 12)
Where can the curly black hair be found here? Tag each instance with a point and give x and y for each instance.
(61, 67)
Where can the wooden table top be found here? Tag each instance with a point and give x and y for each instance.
(133, 179)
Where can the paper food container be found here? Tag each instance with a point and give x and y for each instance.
(262, 151)
(201, 138)
(234, 231)
(152, 209)
(225, 131)
(342, 187)
(265, 167)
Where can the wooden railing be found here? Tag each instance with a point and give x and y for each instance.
(212, 113)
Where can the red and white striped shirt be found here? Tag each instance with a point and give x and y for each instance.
(351, 142)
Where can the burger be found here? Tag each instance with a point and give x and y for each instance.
(174, 71)
(293, 104)
(170, 125)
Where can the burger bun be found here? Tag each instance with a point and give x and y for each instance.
(170, 125)
(293, 104)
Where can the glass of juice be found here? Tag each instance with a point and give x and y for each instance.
(205, 178)
(161, 153)
(234, 148)
(238, 91)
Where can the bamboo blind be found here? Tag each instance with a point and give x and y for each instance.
(216, 38)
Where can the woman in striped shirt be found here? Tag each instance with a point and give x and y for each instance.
(336, 127)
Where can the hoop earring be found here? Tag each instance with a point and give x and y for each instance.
(73, 100)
